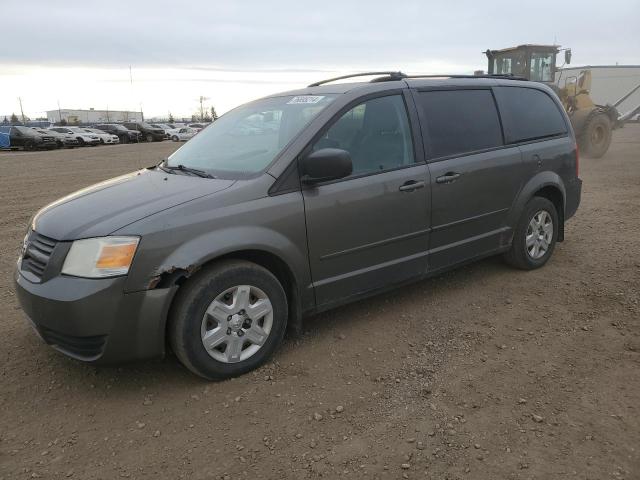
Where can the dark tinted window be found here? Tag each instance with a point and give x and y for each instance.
(460, 121)
(528, 114)
(376, 134)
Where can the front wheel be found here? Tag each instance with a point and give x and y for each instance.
(175, 138)
(149, 138)
(535, 237)
(228, 319)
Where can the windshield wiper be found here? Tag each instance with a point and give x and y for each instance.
(165, 169)
(172, 169)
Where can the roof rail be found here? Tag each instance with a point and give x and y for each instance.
(504, 76)
(388, 75)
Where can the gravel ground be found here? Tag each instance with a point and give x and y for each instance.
(482, 373)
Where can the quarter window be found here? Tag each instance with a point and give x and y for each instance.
(460, 121)
(376, 134)
(529, 114)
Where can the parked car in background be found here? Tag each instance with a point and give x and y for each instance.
(197, 126)
(149, 133)
(183, 134)
(168, 129)
(105, 138)
(30, 139)
(62, 139)
(84, 138)
(125, 134)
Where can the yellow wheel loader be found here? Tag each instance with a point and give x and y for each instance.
(592, 123)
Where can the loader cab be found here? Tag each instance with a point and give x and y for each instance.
(533, 62)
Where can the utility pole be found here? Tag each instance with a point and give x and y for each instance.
(202, 100)
(21, 111)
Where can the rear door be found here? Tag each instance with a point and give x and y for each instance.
(369, 230)
(475, 178)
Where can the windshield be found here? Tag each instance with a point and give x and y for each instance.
(542, 64)
(247, 139)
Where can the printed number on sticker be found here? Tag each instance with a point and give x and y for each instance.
(306, 99)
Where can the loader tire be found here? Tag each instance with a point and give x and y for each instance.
(596, 136)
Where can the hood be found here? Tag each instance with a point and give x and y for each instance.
(105, 207)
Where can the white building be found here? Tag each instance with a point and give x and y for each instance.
(93, 116)
(609, 83)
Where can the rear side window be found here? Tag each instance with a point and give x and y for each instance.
(529, 114)
(460, 121)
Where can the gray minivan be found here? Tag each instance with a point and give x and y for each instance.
(296, 203)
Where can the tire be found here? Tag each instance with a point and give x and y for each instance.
(175, 138)
(596, 136)
(523, 253)
(225, 284)
(29, 146)
(149, 138)
(81, 141)
(124, 139)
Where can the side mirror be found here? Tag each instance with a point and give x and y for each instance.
(567, 56)
(324, 165)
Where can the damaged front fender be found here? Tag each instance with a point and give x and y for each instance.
(166, 277)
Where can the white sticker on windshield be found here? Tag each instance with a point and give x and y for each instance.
(306, 99)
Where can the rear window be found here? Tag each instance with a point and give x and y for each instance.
(460, 121)
(529, 114)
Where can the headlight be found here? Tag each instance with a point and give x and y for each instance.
(100, 257)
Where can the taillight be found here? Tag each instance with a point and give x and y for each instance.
(577, 161)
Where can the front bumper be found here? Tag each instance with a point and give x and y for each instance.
(95, 320)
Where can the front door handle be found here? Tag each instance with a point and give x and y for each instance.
(411, 185)
(448, 177)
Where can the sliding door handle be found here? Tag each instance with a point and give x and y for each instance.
(411, 185)
(448, 177)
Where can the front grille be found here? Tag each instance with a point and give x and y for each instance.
(37, 254)
(84, 348)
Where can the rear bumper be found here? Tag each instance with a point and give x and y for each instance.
(574, 194)
(94, 320)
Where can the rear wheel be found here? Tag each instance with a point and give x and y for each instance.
(175, 138)
(228, 319)
(596, 136)
(535, 237)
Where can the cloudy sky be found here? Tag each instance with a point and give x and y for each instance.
(79, 53)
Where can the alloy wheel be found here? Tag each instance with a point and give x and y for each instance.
(539, 235)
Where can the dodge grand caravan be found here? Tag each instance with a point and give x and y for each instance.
(294, 204)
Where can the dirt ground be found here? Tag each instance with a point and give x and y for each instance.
(483, 373)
